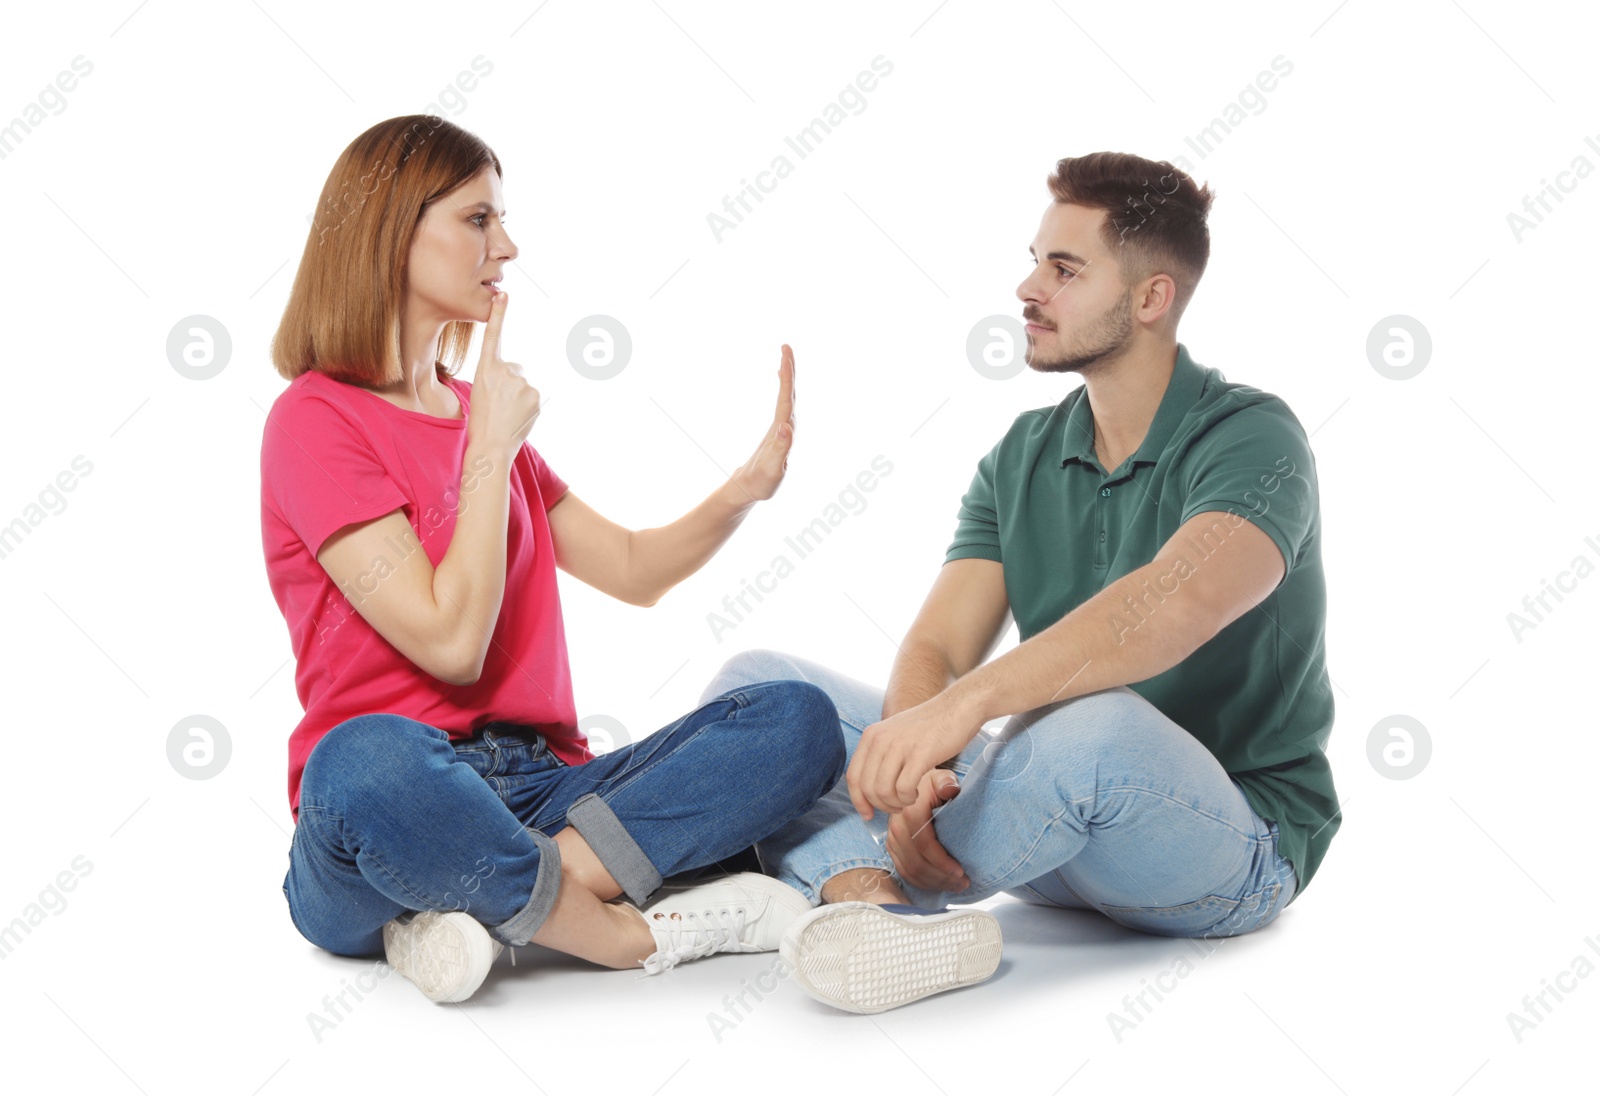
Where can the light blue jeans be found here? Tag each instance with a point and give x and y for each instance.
(1098, 802)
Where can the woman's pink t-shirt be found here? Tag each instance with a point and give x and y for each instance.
(333, 454)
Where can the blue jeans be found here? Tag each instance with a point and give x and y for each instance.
(1098, 802)
(395, 816)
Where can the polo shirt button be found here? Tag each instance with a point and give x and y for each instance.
(1102, 536)
(1105, 491)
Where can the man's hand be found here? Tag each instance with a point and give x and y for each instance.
(918, 857)
(895, 753)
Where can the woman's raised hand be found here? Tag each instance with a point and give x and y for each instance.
(760, 475)
(504, 404)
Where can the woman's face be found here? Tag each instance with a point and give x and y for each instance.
(460, 244)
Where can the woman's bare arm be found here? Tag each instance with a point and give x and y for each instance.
(439, 619)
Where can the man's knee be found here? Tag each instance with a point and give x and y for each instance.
(1105, 730)
(756, 664)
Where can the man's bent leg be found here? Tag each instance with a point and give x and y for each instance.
(1104, 799)
(858, 952)
(829, 840)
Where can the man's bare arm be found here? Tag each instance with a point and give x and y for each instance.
(1139, 626)
(960, 622)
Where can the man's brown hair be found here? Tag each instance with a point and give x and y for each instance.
(1155, 216)
(343, 315)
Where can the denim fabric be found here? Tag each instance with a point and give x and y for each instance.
(1098, 802)
(395, 816)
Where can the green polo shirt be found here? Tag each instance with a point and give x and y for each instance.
(1063, 528)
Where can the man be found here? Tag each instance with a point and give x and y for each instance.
(1156, 537)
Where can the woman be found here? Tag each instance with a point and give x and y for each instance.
(445, 802)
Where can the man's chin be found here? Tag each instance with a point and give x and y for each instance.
(1050, 365)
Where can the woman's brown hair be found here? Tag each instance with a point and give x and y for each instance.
(1155, 215)
(343, 315)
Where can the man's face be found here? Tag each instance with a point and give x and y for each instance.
(1078, 312)
(458, 246)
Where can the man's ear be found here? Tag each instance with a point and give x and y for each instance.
(1158, 296)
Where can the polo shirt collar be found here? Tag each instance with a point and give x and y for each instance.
(1183, 389)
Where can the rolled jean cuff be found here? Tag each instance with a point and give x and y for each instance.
(616, 849)
(523, 925)
(812, 888)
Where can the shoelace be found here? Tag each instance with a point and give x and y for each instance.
(690, 939)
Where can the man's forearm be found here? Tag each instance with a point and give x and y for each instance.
(659, 559)
(920, 672)
(1115, 638)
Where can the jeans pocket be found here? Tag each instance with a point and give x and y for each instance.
(1029, 895)
(1212, 915)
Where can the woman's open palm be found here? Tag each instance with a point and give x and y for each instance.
(761, 474)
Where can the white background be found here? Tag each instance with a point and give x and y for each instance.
(1376, 181)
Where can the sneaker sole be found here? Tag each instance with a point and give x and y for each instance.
(857, 957)
(447, 963)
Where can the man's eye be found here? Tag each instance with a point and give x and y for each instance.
(1064, 272)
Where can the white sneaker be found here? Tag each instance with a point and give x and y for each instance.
(446, 953)
(744, 912)
(863, 957)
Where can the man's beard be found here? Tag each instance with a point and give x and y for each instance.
(1102, 341)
